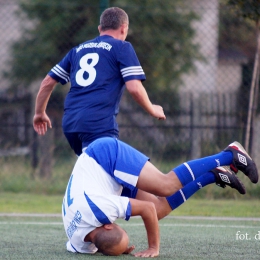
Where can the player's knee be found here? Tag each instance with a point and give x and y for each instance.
(170, 186)
(164, 189)
(168, 191)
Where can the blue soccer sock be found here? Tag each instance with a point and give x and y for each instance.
(187, 191)
(190, 171)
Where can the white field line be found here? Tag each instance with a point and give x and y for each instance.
(40, 215)
(134, 224)
(168, 217)
(138, 224)
(215, 218)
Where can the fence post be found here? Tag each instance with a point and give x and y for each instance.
(196, 127)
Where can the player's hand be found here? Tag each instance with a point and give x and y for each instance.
(129, 250)
(150, 252)
(158, 112)
(41, 122)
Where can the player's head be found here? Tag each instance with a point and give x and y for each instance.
(114, 18)
(111, 240)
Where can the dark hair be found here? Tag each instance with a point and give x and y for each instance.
(113, 18)
(107, 240)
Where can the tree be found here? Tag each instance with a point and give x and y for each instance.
(50, 28)
(160, 31)
(235, 32)
(250, 9)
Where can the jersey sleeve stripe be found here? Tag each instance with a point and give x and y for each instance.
(62, 70)
(132, 68)
(60, 74)
(131, 74)
(131, 71)
(128, 211)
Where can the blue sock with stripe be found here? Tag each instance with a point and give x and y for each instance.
(190, 171)
(187, 191)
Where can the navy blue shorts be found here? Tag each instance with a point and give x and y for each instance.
(78, 141)
(130, 193)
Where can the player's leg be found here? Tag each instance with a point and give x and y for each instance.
(187, 172)
(126, 164)
(162, 206)
(154, 181)
(222, 176)
(131, 168)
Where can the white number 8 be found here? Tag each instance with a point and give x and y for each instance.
(87, 67)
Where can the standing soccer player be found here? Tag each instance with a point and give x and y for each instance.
(98, 71)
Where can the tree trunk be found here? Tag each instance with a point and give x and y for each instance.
(253, 91)
(46, 148)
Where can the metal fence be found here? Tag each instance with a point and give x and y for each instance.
(204, 87)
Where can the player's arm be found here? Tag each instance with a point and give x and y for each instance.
(139, 94)
(148, 213)
(40, 120)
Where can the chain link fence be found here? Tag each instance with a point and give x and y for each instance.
(198, 57)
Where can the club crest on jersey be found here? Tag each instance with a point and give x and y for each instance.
(242, 159)
(224, 178)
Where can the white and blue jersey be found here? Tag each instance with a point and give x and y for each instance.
(97, 71)
(93, 195)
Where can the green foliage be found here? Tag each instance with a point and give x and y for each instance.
(17, 176)
(28, 203)
(51, 204)
(247, 8)
(220, 207)
(235, 33)
(53, 28)
(160, 32)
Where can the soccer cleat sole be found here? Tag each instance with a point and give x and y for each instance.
(243, 162)
(224, 176)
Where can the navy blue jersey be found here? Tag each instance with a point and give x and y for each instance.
(97, 70)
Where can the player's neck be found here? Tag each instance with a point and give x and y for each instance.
(117, 34)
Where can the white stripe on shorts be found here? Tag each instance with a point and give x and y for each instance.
(126, 177)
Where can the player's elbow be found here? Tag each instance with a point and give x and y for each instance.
(133, 87)
(150, 209)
